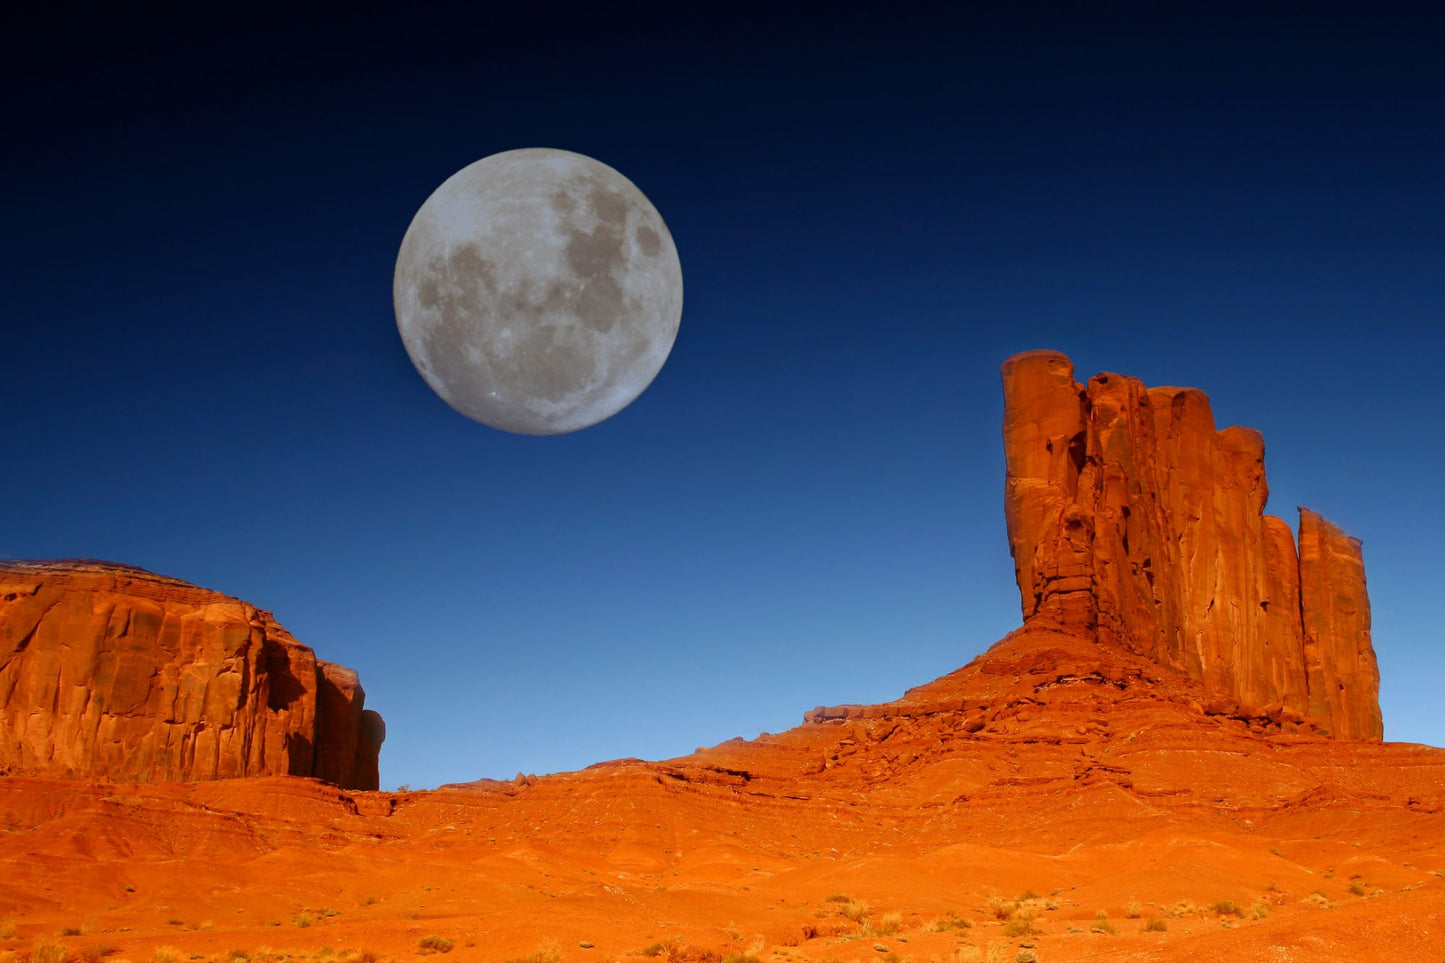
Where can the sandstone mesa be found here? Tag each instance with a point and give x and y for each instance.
(111, 672)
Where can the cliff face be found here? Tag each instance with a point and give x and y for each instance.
(109, 671)
(1132, 518)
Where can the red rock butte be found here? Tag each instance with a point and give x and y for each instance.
(1131, 518)
(1158, 750)
(111, 672)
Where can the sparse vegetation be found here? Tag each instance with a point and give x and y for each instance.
(434, 944)
(548, 952)
(839, 898)
(302, 919)
(1103, 926)
(48, 950)
(855, 910)
(886, 925)
(585, 944)
(1001, 908)
(1259, 910)
(1026, 956)
(1133, 910)
(175, 922)
(1227, 907)
(167, 954)
(953, 922)
(94, 954)
(1027, 895)
(1021, 923)
(1153, 925)
(1359, 888)
(656, 949)
(70, 931)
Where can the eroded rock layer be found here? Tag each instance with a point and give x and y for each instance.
(109, 671)
(1132, 518)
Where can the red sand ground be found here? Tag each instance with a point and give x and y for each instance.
(1052, 766)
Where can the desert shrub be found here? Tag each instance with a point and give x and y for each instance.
(855, 910)
(1259, 910)
(70, 931)
(839, 898)
(238, 956)
(1019, 926)
(1227, 907)
(952, 923)
(167, 954)
(1002, 908)
(1133, 910)
(969, 954)
(887, 924)
(1026, 956)
(548, 952)
(656, 949)
(94, 954)
(1027, 895)
(48, 950)
(434, 944)
(1103, 926)
(1358, 888)
(302, 919)
(1153, 925)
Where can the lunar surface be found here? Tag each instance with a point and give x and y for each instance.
(538, 291)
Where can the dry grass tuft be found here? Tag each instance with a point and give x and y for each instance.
(886, 925)
(434, 944)
(1002, 908)
(855, 910)
(48, 950)
(549, 952)
(167, 954)
(1153, 925)
(1227, 907)
(1133, 910)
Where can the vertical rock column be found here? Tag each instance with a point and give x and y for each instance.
(1130, 517)
(1343, 677)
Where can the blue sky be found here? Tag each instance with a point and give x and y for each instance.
(202, 375)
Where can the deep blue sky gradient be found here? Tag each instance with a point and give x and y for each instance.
(201, 374)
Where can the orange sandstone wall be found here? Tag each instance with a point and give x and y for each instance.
(1131, 517)
(109, 671)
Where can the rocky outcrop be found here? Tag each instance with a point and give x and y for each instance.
(1132, 518)
(109, 671)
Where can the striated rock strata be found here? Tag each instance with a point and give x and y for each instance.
(108, 671)
(1131, 517)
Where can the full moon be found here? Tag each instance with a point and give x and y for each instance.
(538, 291)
